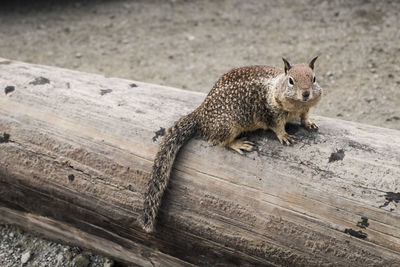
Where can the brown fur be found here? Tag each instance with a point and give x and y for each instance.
(244, 99)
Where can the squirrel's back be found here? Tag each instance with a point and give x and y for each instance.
(235, 97)
(239, 79)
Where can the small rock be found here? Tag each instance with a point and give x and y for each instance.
(76, 250)
(329, 74)
(26, 256)
(108, 263)
(11, 235)
(81, 260)
(78, 55)
(190, 37)
(68, 254)
(60, 258)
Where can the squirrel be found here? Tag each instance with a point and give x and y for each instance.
(244, 99)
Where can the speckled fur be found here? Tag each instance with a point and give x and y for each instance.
(244, 99)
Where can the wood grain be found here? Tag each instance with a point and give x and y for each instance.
(76, 150)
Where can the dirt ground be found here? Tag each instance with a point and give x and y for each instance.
(189, 44)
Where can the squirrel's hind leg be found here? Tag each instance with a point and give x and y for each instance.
(225, 135)
(240, 145)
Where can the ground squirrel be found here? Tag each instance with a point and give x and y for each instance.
(244, 99)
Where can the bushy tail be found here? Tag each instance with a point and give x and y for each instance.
(175, 137)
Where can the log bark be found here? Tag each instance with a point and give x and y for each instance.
(76, 151)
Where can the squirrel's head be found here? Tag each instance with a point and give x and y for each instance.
(299, 87)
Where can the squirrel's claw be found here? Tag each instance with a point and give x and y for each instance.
(287, 139)
(242, 144)
(311, 126)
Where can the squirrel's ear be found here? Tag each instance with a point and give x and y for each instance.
(312, 62)
(287, 65)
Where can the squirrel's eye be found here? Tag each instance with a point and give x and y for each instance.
(314, 80)
(291, 82)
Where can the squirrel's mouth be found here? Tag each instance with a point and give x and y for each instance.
(309, 101)
(301, 100)
(295, 103)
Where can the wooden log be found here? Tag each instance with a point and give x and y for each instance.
(76, 150)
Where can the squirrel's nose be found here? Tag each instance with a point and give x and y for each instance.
(306, 94)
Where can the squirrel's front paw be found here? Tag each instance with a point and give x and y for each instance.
(310, 126)
(286, 139)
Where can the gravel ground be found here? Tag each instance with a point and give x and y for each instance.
(22, 249)
(189, 44)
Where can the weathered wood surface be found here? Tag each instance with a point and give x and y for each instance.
(76, 150)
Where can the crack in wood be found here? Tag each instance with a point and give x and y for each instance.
(335, 156)
(9, 89)
(363, 223)
(358, 234)
(5, 138)
(40, 81)
(391, 197)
